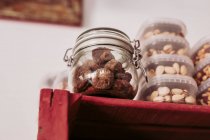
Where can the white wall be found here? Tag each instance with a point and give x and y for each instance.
(29, 51)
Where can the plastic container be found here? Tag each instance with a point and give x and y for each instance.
(201, 50)
(170, 88)
(202, 71)
(104, 63)
(168, 64)
(203, 96)
(158, 26)
(165, 44)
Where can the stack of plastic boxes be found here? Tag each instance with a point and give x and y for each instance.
(166, 60)
(200, 55)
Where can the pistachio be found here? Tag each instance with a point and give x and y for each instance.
(158, 99)
(159, 70)
(163, 91)
(183, 70)
(169, 70)
(181, 52)
(176, 91)
(179, 98)
(167, 48)
(154, 94)
(190, 100)
(176, 67)
(167, 98)
(151, 72)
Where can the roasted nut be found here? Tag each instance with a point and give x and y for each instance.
(167, 48)
(190, 100)
(176, 91)
(167, 98)
(80, 83)
(176, 67)
(158, 99)
(178, 98)
(91, 65)
(169, 70)
(102, 55)
(198, 75)
(202, 75)
(124, 89)
(103, 79)
(181, 51)
(159, 70)
(114, 66)
(183, 70)
(124, 76)
(81, 86)
(151, 52)
(151, 73)
(153, 95)
(163, 91)
(204, 98)
(172, 52)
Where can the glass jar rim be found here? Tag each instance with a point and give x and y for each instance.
(104, 29)
(107, 36)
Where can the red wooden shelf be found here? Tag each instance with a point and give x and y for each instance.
(65, 116)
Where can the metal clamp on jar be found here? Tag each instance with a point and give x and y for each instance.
(104, 62)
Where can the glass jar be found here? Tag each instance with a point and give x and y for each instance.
(104, 63)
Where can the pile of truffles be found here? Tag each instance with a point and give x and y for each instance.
(158, 32)
(166, 49)
(202, 53)
(202, 75)
(175, 95)
(103, 76)
(174, 69)
(204, 98)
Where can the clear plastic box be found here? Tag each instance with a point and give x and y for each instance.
(171, 89)
(158, 26)
(202, 71)
(165, 44)
(168, 64)
(203, 96)
(201, 50)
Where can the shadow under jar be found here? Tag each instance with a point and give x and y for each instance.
(104, 63)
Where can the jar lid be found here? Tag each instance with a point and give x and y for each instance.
(199, 44)
(103, 36)
(167, 23)
(159, 41)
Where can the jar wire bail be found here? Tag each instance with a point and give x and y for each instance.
(67, 58)
(137, 57)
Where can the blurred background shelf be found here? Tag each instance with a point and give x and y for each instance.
(65, 116)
